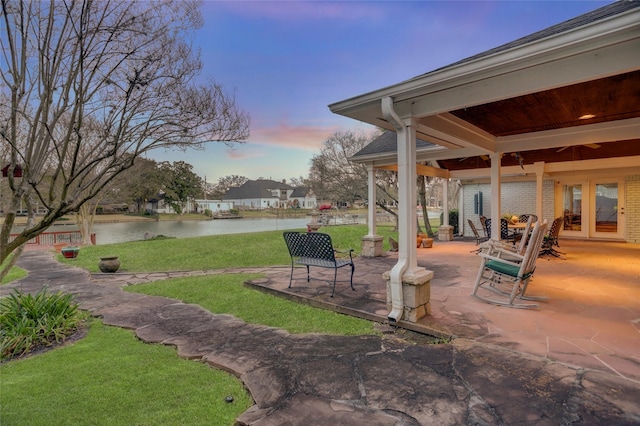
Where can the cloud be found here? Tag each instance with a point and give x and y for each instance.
(308, 138)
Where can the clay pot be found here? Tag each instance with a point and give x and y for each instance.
(427, 242)
(109, 264)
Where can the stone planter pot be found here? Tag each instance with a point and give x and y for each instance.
(109, 264)
(427, 242)
(70, 252)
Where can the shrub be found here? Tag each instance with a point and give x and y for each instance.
(453, 220)
(29, 322)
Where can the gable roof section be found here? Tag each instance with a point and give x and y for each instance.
(387, 143)
(527, 95)
(300, 192)
(604, 12)
(255, 189)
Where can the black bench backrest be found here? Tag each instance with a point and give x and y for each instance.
(310, 244)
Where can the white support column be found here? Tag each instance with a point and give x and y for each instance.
(539, 166)
(408, 288)
(371, 210)
(495, 195)
(445, 202)
(407, 200)
(371, 243)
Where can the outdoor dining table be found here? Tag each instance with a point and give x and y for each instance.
(518, 226)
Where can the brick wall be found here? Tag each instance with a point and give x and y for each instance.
(516, 198)
(632, 209)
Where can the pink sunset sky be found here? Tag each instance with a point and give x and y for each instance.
(286, 61)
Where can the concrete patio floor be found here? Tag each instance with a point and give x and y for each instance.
(590, 320)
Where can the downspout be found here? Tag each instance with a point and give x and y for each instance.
(395, 276)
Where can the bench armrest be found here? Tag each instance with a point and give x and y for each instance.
(344, 251)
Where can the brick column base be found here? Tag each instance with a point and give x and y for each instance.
(416, 294)
(371, 246)
(445, 233)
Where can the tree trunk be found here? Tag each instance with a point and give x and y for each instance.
(423, 202)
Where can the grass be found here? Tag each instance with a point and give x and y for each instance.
(110, 378)
(14, 274)
(213, 252)
(225, 294)
(150, 384)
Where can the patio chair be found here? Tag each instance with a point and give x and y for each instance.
(504, 229)
(479, 239)
(483, 222)
(507, 279)
(518, 248)
(551, 239)
(525, 217)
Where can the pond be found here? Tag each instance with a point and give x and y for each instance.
(109, 233)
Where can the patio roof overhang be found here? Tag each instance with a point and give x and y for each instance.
(572, 87)
(575, 94)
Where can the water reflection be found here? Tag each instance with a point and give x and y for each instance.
(108, 233)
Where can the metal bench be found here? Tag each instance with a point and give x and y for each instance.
(316, 249)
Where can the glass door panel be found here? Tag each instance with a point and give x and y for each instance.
(607, 218)
(572, 207)
(607, 207)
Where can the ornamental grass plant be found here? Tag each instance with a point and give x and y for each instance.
(29, 322)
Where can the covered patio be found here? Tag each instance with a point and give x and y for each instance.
(557, 110)
(591, 319)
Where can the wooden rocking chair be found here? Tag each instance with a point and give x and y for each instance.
(508, 276)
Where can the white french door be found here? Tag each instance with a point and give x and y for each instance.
(592, 208)
(607, 208)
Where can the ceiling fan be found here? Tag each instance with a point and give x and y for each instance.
(590, 145)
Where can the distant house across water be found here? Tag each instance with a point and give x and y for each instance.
(264, 193)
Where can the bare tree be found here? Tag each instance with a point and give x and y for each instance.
(226, 183)
(332, 175)
(89, 86)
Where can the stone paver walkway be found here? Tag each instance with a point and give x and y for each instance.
(337, 380)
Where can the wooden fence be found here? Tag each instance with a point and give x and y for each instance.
(58, 237)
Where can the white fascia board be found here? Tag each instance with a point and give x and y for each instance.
(597, 164)
(580, 135)
(621, 29)
(631, 163)
(391, 157)
(448, 154)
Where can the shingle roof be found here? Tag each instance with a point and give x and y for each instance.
(387, 142)
(255, 189)
(607, 11)
(300, 192)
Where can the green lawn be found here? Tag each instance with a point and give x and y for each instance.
(111, 378)
(214, 251)
(226, 294)
(80, 384)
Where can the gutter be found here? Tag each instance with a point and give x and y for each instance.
(395, 276)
